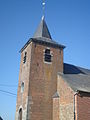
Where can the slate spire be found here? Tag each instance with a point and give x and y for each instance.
(42, 30)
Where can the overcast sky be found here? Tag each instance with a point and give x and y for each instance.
(69, 24)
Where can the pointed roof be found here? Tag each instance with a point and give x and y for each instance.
(42, 36)
(42, 30)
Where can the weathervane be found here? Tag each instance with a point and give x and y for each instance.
(43, 9)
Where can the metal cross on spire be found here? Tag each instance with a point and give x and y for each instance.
(43, 4)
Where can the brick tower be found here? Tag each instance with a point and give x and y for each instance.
(41, 60)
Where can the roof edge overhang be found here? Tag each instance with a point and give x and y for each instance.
(48, 43)
(80, 91)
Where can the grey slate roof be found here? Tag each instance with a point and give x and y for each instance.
(77, 78)
(42, 30)
(72, 69)
(42, 36)
(44, 41)
(48, 42)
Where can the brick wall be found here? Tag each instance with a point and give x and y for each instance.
(40, 82)
(24, 73)
(56, 112)
(43, 82)
(66, 100)
(83, 106)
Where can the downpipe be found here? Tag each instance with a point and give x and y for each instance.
(75, 105)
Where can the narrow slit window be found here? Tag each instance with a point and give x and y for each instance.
(22, 87)
(25, 56)
(47, 56)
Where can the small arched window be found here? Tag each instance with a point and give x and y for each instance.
(22, 87)
(20, 114)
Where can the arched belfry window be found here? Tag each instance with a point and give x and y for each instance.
(20, 114)
(47, 56)
(22, 87)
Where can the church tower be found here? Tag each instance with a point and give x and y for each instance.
(41, 60)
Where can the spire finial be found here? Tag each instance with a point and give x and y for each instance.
(43, 9)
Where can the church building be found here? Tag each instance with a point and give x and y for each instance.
(48, 88)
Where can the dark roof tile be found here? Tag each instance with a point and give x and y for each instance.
(42, 30)
(76, 77)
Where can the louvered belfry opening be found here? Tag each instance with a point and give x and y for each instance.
(47, 55)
